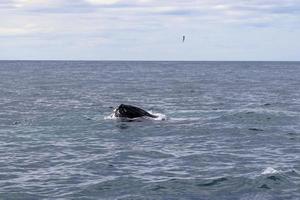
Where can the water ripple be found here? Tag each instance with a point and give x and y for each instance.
(232, 130)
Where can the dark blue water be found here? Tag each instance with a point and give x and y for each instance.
(232, 130)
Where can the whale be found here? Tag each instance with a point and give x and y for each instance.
(131, 112)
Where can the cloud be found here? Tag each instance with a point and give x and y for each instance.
(13, 31)
(122, 23)
(132, 13)
(102, 2)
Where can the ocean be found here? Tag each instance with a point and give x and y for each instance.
(231, 130)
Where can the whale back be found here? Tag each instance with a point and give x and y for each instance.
(129, 111)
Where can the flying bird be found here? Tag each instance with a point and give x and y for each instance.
(183, 38)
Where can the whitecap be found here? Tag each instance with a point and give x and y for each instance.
(269, 170)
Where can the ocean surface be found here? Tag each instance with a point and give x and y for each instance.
(232, 130)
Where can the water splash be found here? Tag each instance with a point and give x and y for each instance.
(160, 117)
(269, 170)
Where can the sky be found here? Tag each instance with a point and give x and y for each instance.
(217, 30)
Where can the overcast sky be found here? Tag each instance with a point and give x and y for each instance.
(150, 29)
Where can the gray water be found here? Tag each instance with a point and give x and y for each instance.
(232, 130)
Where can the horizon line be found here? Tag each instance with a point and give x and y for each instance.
(138, 60)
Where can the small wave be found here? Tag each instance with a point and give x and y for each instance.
(255, 129)
(181, 119)
(213, 182)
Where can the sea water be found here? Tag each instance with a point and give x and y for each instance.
(231, 130)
